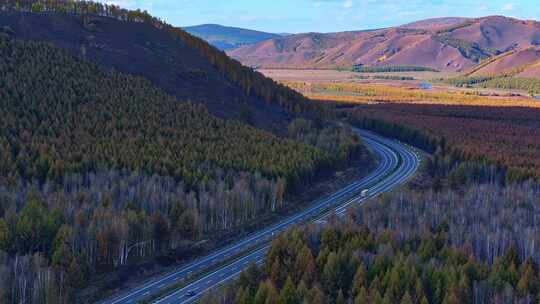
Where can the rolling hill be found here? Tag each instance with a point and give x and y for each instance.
(228, 38)
(446, 44)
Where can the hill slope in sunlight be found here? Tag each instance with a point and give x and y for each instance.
(446, 44)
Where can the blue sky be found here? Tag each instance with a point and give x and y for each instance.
(296, 16)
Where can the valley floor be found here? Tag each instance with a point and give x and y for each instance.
(395, 87)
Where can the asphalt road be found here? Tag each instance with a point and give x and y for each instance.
(398, 162)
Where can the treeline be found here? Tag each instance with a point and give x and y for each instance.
(385, 77)
(410, 135)
(469, 81)
(253, 83)
(341, 143)
(391, 68)
(410, 248)
(447, 167)
(469, 143)
(99, 169)
(529, 85)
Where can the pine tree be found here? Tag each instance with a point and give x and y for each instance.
(360, 279)
(76, 274)
(288, 293)
(387, 298)
(528, 283)
(340, 298)
(6, 241)
(302, 290)
(407, 299)
(375, 296)
(243, 296)
(262, 294)
(316, 296)
(465, 289)
(273, 296)
(362, 297)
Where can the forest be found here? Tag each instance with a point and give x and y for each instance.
(99, 169)
(447, 247)
(529, 85)
(253, 83)
(503, 136)
(391, 68)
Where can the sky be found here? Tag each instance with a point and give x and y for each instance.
(300, 16)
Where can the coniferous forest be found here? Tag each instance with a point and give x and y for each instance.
(100, 168)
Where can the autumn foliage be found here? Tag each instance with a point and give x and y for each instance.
(507, 136)
(358, 93)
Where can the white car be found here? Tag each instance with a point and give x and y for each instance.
(365, 193)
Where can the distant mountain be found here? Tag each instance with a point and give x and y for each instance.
(447, 44)
(228, 38)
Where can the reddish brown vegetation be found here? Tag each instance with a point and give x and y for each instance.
(509, 136)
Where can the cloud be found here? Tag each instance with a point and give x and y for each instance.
(130, 4)
(508, 7)
(348, 4)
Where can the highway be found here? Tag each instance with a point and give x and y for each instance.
(398, 162)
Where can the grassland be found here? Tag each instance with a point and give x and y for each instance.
(370, 93)
(345, 76)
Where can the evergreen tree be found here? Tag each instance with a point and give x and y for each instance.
(288, 293)
(407, 299)
(262, 294)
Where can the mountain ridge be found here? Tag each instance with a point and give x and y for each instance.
(228, 37)
(452, 44)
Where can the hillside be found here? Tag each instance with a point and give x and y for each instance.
(513, 62)
(94, 161)
(181, 64)
(436, 23)
(443, 44)
(228, 38)
(531, 71)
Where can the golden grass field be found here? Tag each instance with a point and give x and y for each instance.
(343, 76)
(347, 87)
(386, 93)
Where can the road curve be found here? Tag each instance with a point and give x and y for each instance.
(398, 162)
